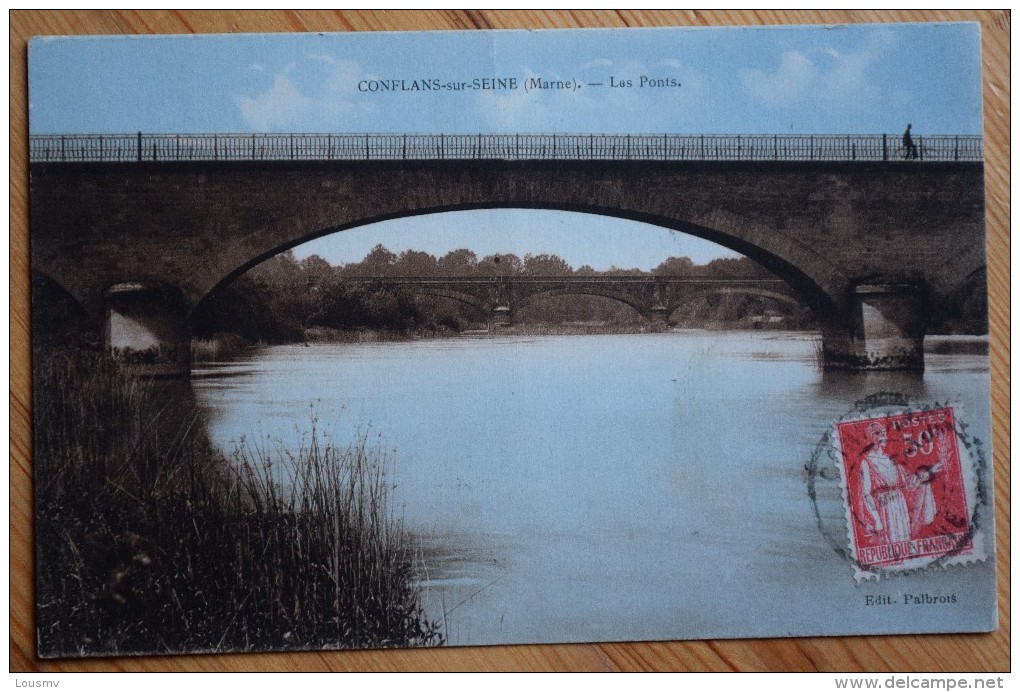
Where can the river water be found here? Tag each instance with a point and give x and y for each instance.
(623, 487)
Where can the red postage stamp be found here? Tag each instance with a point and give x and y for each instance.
(907, 491)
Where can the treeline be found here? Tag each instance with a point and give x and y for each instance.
(465, 263)
(285, 299)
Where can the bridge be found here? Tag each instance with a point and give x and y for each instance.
(655, 298)
(140, 228)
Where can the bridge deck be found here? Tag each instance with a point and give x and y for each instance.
(510, 147)
(491, 280)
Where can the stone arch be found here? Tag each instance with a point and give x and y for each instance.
(457, 296)
(966, 306)
(813, 295)
(742, 290)
(763, 293)
(706, 292)
(583, 291)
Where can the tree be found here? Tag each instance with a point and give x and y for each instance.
(675, 266)
(507, 264)
(415, 263)
(546, 265)
(460, 262)
(378, 262)
(617, 271)
(249, 308)
(292, 289)
(278, 270)
(316, 272)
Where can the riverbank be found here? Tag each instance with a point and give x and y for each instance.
(227, 346)
(957, 344)
(151, 541)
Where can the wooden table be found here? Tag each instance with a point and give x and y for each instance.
(906, 653)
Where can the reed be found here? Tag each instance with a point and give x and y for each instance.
(218, 347)
(149, 541)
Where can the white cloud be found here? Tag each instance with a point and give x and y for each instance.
(847, 79)
(833, 79)
(329, 101)
(788, 85)
(278, 107)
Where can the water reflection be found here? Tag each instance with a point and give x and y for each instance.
(842, 385)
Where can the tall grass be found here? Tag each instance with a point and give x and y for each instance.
(220, 346)
(150, 541)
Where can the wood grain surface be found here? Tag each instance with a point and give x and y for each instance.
(983, 652)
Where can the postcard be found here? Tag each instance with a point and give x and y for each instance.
(463, 338)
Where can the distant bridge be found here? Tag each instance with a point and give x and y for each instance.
(139, 228)
(654, 297)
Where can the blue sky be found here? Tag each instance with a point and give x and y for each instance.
(811, 80)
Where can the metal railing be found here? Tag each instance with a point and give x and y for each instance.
(511, 147)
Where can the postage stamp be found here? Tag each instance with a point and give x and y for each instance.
(908, 482)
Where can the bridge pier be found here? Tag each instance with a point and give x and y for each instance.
(659, 315)
(503, 316)
(884, 331)
(146, 328)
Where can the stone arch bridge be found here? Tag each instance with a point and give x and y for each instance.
(139, 229)
(655, 298)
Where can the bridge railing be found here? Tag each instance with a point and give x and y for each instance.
(568, 279)
(513, 147)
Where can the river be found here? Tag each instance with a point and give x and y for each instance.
(623, 487)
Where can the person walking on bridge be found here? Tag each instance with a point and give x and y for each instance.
(908, 144)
